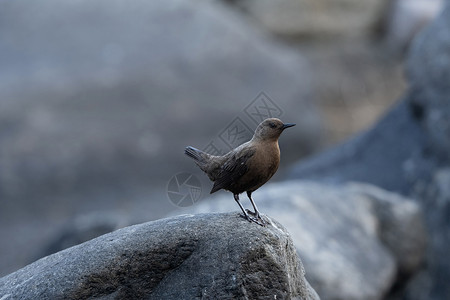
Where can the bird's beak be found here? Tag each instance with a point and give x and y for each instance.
(287, 125)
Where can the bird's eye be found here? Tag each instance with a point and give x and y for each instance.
(272, 125)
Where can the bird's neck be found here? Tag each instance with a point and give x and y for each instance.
(267, 147)
(258, 139)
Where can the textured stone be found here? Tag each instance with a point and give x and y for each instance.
(209, 256)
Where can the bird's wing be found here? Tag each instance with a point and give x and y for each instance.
(232, 169)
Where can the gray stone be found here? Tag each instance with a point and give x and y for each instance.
(400, 226)
(408, 151)
(372, 157)
(315, 19)
(429, 76)
(209, 256)
(353, 239)
(428, 70)
(405, 18)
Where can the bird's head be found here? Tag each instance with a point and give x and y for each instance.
(270, 129)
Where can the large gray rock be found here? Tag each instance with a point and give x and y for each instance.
(391, 155)
(315, 19)
(354, 240)
(408, 151)
(209, 256)
(428, 71)
(98, 99)
(405, 18)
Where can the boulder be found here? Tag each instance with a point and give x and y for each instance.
(354, 239)
(208, 256)
(372, 157)
(405, 18)
(408, 151)
(346, 18)
(400, 226)
(428, 73)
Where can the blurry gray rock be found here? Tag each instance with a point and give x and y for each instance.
(210, 256)
(400, 226)
(95, 94)
(99, 99)
(391, 155)
(353, 239)
(405, 18)
(81, 229)
(432, 281)
(428, 71)
(315, 19)
(408, 151)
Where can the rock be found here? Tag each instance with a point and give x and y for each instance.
(353, 239)
(81, 229)
(405, 18)
(94, 94)
(314, 19)
(429, 75)
(417, 126)
(392, 168)
(401, 226)
(428, 70)
(209, 256)
(408, 151)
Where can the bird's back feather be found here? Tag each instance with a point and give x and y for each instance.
(232, 169)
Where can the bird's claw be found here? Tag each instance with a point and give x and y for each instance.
(255, 220)
(251, 212)
(257, 216)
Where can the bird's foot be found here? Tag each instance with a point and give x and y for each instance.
(254, 220)
(257, 216)
(251, 212)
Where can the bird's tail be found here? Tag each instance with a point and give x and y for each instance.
(199, 156)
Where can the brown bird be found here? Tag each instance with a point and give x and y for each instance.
(247, 167)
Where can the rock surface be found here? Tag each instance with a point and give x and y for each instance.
(354, 239)
(408, 151)
(208, 256)
(315, 19)
(406, 18)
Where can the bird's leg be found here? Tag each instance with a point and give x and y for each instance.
(246, 216)
(256, 213)
(236, 198)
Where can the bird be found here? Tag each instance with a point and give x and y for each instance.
(246, 167)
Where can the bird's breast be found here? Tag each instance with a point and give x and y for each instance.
(268, 158)
(262, 165)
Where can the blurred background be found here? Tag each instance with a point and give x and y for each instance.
(99, 98)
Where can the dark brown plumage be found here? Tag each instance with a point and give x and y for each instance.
(247, 167)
